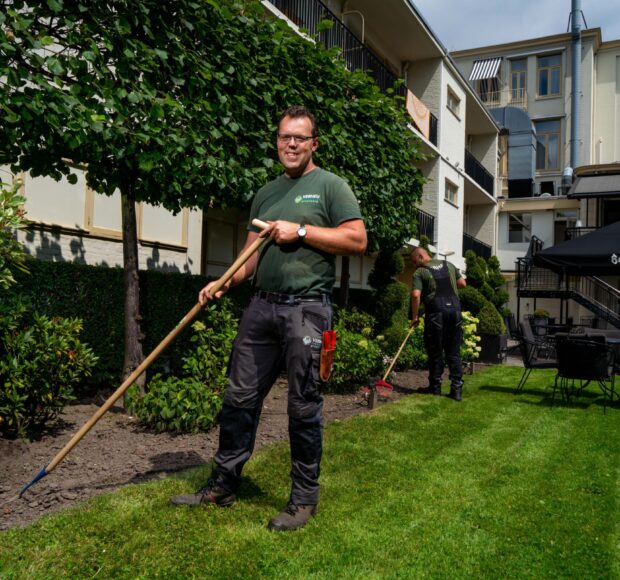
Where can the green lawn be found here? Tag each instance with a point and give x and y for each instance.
(499, 486)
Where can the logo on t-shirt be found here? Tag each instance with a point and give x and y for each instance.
(308, 198)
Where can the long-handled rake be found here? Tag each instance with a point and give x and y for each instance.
(371, 391)
(242, 259)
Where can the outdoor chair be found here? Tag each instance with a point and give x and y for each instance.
(536, 354)
(582, 360)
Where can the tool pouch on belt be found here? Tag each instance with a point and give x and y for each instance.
(328, 349)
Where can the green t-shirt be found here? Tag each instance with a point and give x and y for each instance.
(318, 198)
(423, 280)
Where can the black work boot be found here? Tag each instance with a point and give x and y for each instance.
(456, 391)
(432, 390)
(210, 494)
(292, 518)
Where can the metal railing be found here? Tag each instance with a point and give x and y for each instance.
(426, 225)
(478, 173)
(504, 98)
(480, 248)
(572, 233)
(595, 294)
(307, 14)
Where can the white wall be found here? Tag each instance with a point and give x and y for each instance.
(74, 224)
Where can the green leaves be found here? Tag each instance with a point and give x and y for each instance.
(187, 94)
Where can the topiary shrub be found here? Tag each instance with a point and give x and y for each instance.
(490, 321)
(191, 403)
(471, 300)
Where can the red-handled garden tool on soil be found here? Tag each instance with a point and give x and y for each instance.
(373, 390)
(242, 259)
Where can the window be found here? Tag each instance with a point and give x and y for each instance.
(488, 89)
(549, 74)
(454, 102)
(518, 79)
(519, 227)
(452, 193)
(548, 145)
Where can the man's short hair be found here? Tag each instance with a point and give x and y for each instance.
(298, 111)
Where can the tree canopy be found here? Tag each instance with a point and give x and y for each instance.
(179, 98)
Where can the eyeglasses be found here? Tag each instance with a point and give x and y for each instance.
(283, 138)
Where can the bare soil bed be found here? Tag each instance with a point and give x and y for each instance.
(117, 451)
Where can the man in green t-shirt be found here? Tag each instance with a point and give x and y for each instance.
(313, 216)
(435, 283)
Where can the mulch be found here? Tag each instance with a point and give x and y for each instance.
(119, 452)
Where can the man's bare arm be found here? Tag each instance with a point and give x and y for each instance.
(347, 239)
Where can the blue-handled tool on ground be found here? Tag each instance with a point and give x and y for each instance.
(133, 377)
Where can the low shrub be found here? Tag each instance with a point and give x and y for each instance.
(191, 403)
(355, 320)
(357, 358)
(41, 363)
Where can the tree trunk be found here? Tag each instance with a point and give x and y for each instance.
(343, 296)
(133, 333)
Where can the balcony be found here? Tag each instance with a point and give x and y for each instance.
(504, 98)
(307, 14)
(426, 225)
(479, 248)
(478, 173)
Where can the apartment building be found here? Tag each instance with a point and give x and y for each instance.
(550, 165)
(458, 137)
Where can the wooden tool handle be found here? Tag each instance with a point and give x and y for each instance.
(133, 377)
(387, 373)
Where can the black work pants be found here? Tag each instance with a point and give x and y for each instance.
(443, 335)
(272, 337)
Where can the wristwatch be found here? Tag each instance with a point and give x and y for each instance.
(302, 232)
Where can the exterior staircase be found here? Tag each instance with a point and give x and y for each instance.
(591, 292)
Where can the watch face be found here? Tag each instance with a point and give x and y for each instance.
(301, 232)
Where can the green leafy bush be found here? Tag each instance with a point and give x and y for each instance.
(471, 300)
(12, 256)
(191, 403)
(357, 358)
(490, 320)
(355, 320)
(414, 355)
(470, 350)
(41, 363)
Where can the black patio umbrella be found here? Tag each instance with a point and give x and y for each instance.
(593, 254)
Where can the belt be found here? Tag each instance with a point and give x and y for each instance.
(292, 299)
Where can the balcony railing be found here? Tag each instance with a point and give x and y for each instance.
(307, 14)
(426, 225)
(504, 98)
(478, 173)
(479, 248)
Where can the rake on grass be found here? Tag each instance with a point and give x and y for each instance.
(242, 259)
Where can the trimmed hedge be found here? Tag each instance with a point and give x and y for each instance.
(95, 295)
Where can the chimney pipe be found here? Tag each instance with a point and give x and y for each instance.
(576, 82)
